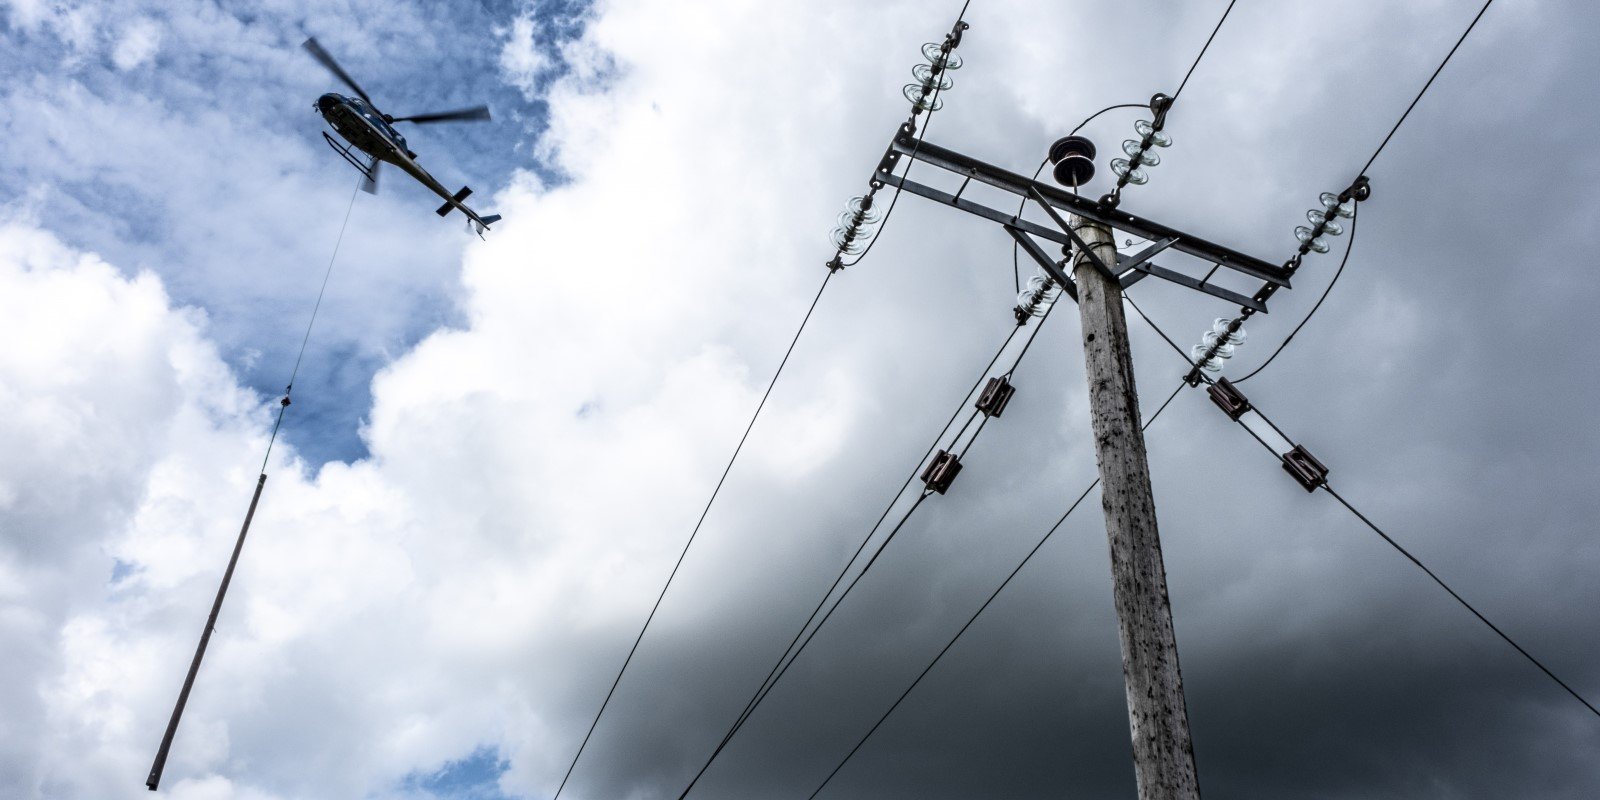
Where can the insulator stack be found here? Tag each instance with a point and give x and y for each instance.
(1034, 300)
(1139, 155)
(1325, 221)
(856, 224)
(1218, 344)
(930, 77)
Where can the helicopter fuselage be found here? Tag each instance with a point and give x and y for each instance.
(363, 126)
(369, 130)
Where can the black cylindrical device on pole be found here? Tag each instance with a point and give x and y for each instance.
(1074, 160)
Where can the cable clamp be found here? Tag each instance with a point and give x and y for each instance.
(996, 394)
(941, 472)
(1305, 468)
(1228, 398)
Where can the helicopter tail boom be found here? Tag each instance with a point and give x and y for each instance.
(444, 210)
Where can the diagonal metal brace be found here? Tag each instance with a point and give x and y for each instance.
(1146, 254)
(1050, 267)
(1082, 247)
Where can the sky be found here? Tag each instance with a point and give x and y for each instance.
(498, 448)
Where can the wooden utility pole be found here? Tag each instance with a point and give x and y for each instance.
(1163, 754)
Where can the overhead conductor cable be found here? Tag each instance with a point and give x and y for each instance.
(857, 230)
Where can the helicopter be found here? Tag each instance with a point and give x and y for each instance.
(372, 132)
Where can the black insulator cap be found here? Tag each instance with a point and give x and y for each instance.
(1159, 105)
(1361, 189)
(1074, 160)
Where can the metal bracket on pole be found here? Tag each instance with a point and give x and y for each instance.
(1077, 243)
(1087, 208)
(1042, 258)
(1126, 263)
(1139, 270)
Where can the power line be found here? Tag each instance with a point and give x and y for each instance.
(974, 618)
(1351, 245)
(692, 534)
(1425, 86)
(802, 638)
(778, 666)
(1459, 599)
(1357, 191)
(1203, 49)
(1325, 486)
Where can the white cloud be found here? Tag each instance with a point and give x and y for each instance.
(522, 62)
(533, 473)
(139, 42)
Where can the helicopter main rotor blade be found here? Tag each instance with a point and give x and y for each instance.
(474, 113)
(326, 60)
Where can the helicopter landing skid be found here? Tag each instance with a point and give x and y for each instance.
(344, 151)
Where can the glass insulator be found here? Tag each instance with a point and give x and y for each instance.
(1220, 327)
(924, 75)
(935, 56)
(924, 101)
(869, 216)
(1148, 129)
(1318, 243)
(847, 244)
(1134, 149)
(1331, 202)
(1329, 226)
(1124, 168)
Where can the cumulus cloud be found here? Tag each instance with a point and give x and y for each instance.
(521, 60)
(138, 44)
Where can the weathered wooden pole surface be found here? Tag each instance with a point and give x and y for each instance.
(1163, 753)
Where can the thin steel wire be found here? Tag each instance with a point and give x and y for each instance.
(791, 653)
(304, 340)
(698, 523)
(978, 613)
(876, 526)
(1203, 49)
(1324, 485)
(1458, 598)
(1425, 86)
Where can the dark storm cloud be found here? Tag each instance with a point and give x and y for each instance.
(1444, 382)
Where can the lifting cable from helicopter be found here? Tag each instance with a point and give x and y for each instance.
(370, 132)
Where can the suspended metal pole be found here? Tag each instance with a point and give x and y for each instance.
(205, 637)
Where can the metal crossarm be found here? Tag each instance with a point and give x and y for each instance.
(1052, 198)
